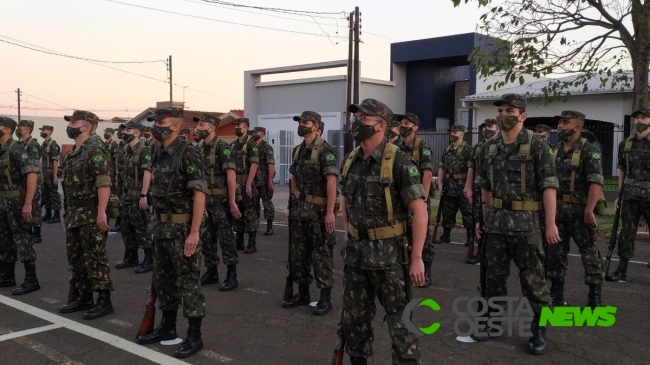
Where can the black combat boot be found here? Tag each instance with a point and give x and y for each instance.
(130, 260)
(620, 275)
(211, 276)
(469, 240)
(358, 361)
(269, 227)
(557, 294)
(251, 243)
(231, 279)
(103, 307)
(302, 298)
(56, 218)
(537, 344)
(445, 238)
(31, 281)
(427, 274)
(82, 302)
(48, 215)
(8, 278)
(147, 263)
(324, 305)
(36, 235)
(239, 240)
(164, 332)
(487, 332)
(476, 259)
(594, 297)
(193, 342)
(118, 225)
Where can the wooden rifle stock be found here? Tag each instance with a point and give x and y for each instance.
(438, 216)
(149, 317)
(614, 235)
(73, 293)
(339, 349)
(288, 286)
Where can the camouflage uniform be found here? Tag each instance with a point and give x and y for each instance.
(33, 150)
(571, 199)
(249, 221)
(113, 148)
(544, 128)
(50, 194)
(455, 162)
(152, 144)
(176, 276)
(373, 268)
(266, 195)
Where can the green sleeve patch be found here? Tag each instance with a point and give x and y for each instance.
(595, 156)
(255, 149)
(413, 170)
(147, 157)
(191, 169)
(550, 152)
(426, 152)
(330, 157)
(226, 152)
(97, 158)
(270, 152)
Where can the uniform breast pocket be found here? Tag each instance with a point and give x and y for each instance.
(375, 199)
(349, 188)
(514, 171)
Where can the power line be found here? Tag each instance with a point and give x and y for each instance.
(36, 97)
(279, 10)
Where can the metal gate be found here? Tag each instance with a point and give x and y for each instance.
(283, 143)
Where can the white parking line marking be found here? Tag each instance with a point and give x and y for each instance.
(12, 335)
(120, 323)
(256, 291)
(118, 342)
(215, 356)
(50, 300)
(46, 351)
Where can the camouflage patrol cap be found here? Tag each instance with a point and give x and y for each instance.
(147, 129)
(307, 115)
(542, 128)
(394, 122)
(207, 117)
(489, 121)
(26, 123)
(457, 128)
(134, 125)
(121, 127)
(373, 107)
(260, 129)
(570, 114)
(644, 111)
(168, 112)
(46, 128)
(7, 122)
(89, 117)
(410, 116)
(241, 120)
(516, 100)
(185, 131)
(109, 130)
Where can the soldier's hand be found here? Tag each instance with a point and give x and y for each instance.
(270, 185)
(440, 189)
(249, 190)
(478, 232)
(143, 203)
(552, 234)
(234, 211)
(616, 204)
(329, 222)
(27, 212)
(468, 194)
(590, 220)
(102, 221)
(55, 180)
(191, 242)
(416, 272)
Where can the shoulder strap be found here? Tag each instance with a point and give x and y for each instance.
(627, 149)
(524, 153)
(177, 160)
(296, 152)
(315, 151)
(416, 151)
(492, 152)
(387, 176)
(84, 154)
(348, 163)
(212, 160)
(460, 149)
(136, 163)
(244, 149)
(7, 162)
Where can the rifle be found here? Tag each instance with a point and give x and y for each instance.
(612, 238)
(438, 216)
(339, 349)
(288, 286)
(146, 325)
(73, 292)
(470, 249)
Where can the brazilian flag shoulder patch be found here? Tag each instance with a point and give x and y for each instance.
(413, 170)
(330, 157)
(270, 152)
(255, 149)
(191, 169)
(550, 152)
(226, 152)
(147, 157)
(595, 156)
(97, 158)
(426, 152)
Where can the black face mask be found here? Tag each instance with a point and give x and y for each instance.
(107, 136)
(488, 133)
(239, 132)
(256, 137)
(120, 135)
(128, 138)
(161, 133)
(390, 134)
(405, 131)
(361, 132)
(303, 130)
(147, 135)
(183, 138)
(73, 133)
(200, 134)
(44, 135)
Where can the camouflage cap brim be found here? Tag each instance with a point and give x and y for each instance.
(644, 111)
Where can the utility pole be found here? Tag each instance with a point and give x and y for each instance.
(357, 32)
(171, 95)
(353, 74)
(18, 92)
(347, 136)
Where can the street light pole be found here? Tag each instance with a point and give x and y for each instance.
(184, 93)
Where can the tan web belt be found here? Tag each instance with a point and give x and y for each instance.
(134, 192)
(242, 178)
(572, 199)
(380, 233)
(312, 199)
(641, 184)
(9, 194)
(217, 191)
(174, 218)
(515, 205)
(459, 176)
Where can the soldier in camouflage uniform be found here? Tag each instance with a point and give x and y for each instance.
(18, 182)
(178, 192)
(267, 172)
(117, 158)
(185, 134)
(151, 143)
(580, 186)
(633, 175)
(511, 213)
(220, 204)
(472, 191)
(33, 150)
(452, 176)
(247, 160)
(420, 153)
(392, 133)
(313, 189)
(376, 235)
(50, 199)
(135, 178)
(543, 131)
(86, 172)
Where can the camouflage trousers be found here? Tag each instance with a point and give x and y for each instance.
(37, 209)
(309, 247)
(360, 287)
(250, 212)
(14, 238)
(429, 249)
(136, 232)
(528, 254)
(51, 198)
(557, 255)
(175, 276)
(219, 232)
(86, 249)
(631, 213)
(266, 196)
(451, 206)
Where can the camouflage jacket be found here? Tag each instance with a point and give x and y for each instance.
(190, 177)
(131, 187)
(399, 142)
(455, 161)
(425, 162)
(311, 180)
(51, 152)
(153, 146)
(589, 171)
(243, 160)
(81, 187)
(506, 168)
(639, 171)
(33, 150)
(266, 158)
(215, 176)
(113, 148)
(20, 164)
(366, 208)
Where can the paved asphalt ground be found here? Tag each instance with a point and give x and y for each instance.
(248, 326)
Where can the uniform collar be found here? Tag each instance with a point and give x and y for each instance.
(170, 149)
